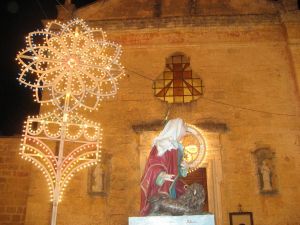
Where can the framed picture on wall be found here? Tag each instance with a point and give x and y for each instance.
(241, 218)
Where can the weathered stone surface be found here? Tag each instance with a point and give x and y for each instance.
(248, 75)
(117, 9)
(251, 72)
(14, 182)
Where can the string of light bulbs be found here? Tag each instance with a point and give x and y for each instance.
(75, 67)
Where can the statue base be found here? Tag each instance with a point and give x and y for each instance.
(207, 219)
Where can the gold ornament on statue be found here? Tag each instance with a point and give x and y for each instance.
(195, 148)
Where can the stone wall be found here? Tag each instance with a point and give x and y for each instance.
(250, 72)
(116, 9)
(14, 183)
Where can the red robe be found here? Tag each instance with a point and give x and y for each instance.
(168, 162)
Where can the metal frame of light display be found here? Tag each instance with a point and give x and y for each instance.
(76, 68)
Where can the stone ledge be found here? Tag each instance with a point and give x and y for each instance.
(291, 17)
(181, 22)
(193, 21)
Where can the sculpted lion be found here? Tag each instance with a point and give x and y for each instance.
(191, 202)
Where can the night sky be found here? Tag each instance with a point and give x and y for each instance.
(21, 17)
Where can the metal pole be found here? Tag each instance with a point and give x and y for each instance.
(54, 212)
(56, 193)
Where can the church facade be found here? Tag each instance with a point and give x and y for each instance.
(239, 87)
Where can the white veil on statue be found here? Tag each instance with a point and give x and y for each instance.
(168, 138)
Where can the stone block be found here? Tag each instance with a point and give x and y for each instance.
(174, 220)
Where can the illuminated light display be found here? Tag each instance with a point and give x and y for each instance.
(75, 68)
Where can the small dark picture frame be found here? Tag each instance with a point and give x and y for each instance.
(241, 218)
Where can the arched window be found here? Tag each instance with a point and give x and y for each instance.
(178, 84)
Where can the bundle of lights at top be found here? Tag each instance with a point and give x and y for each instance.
(75, 68)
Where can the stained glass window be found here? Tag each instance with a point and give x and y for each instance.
(178, 84)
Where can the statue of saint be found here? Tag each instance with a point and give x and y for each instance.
(266, 176)
(98, 175)
(165, 165)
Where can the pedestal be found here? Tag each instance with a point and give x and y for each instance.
(207, 219)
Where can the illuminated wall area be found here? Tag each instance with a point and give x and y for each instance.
(229, 68)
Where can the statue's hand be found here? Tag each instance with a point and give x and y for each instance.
(184, 165)
(168, 177)
(162, 177)
(184, 168)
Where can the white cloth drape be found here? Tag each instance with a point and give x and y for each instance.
(168, 138)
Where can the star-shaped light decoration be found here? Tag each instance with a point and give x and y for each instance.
(70, 61)
(74, 67)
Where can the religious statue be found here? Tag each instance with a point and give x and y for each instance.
(163, 169)
(98, 179)
(266, 176)
(267, 179)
